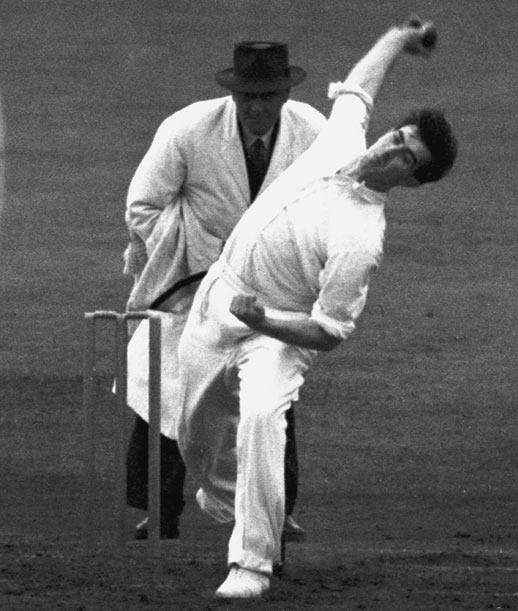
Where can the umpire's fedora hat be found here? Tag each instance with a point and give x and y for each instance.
(260, 66)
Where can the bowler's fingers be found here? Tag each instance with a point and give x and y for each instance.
(414, 21)
(245, 306)
(236, 305)
(241, 302)
(421, 36)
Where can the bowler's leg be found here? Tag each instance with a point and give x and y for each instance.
(270, 375)
(259, 500)
(206, 428)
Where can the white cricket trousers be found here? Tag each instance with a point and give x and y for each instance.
(233, 378)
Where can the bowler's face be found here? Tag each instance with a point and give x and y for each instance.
(258, 112)
(396, 156)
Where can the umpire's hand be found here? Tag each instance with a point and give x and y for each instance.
(247, 310)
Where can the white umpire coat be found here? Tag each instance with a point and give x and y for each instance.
(187, 194)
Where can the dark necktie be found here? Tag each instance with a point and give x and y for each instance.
(257, 163)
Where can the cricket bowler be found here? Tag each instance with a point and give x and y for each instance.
(292, 280)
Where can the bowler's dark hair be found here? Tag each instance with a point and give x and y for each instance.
(436, 133)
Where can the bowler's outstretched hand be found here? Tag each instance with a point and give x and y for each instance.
(422, 36)
(247, 310)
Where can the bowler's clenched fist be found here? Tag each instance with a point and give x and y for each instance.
(247, 310)
(422, 36)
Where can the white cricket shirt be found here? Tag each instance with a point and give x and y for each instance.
(308, 243)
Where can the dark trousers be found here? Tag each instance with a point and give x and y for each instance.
(172, 470)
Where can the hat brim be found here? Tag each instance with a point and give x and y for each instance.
(227, 78)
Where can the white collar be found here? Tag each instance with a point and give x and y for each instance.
(250, 138)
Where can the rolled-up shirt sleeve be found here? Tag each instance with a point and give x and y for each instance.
(341, 140)
(344, 283)
(344, 136)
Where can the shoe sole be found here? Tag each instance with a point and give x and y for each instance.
(227, 597)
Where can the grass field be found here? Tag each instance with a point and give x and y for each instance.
(407, 433)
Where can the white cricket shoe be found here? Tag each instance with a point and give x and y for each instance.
(243, 583)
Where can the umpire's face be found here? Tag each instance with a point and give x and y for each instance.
(258, 112)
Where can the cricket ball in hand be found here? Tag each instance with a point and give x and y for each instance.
(429, 38)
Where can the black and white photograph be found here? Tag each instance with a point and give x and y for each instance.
(259, 305)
